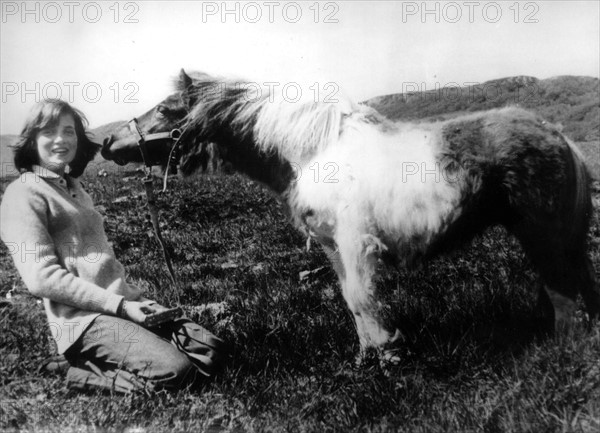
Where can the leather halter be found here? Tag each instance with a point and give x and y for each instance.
(142, 139)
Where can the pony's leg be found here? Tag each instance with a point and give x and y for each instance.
(574, 275)
(565, 269)
(359, 256)
(335, 258)
(336, 261)
(589, 289)
(580, 274)
(323, 233)
(362, 326)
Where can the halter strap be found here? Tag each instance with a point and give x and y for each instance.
(142, 140)
(173, 160)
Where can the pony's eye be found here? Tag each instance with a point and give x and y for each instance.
(161, 111)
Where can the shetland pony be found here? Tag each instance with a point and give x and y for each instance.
(401, 192)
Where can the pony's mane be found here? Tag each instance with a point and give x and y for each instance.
(274, 122)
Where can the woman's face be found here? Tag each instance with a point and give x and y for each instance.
(57, 145)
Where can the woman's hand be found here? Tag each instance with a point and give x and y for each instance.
(137, 311)
(154, 305)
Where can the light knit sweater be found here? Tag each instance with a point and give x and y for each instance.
(58, 244)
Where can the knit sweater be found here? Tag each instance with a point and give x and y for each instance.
(58, 245)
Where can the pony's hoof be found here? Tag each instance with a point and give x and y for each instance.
(390, 358)
(367, 359)
(374, 358)
(390, 354)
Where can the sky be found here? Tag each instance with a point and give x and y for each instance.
(115, 60)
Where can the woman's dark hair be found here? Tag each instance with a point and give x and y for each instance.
(47, 114)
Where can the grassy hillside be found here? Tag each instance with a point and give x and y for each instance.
(591, 150)
(6, 157)
(476, 357)
(571, 101)
(101, 132)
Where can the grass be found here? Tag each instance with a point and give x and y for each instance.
(591, 151)
(477, 357)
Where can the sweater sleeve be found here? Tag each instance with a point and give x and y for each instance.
(24, 230)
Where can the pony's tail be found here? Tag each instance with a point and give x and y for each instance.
(580, 192)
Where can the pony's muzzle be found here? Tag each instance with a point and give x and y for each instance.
(107, 153)
(106, 143)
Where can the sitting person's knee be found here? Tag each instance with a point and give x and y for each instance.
(183, 370)
(174, 373)
(203, 348)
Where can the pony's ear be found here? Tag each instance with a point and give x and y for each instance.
(185, 80)
(185, 85)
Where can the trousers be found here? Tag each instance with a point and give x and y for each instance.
(117, 355)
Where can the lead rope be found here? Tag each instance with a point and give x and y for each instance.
(153, 209)
(147, 181)
(150, 197)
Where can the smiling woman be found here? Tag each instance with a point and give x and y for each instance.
(54, 137)
(57, 241)
(57, 145)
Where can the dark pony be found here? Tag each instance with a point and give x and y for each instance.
(402, 192)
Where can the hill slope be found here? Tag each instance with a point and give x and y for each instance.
(571, 101)
(6, 157)
(101, 132)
